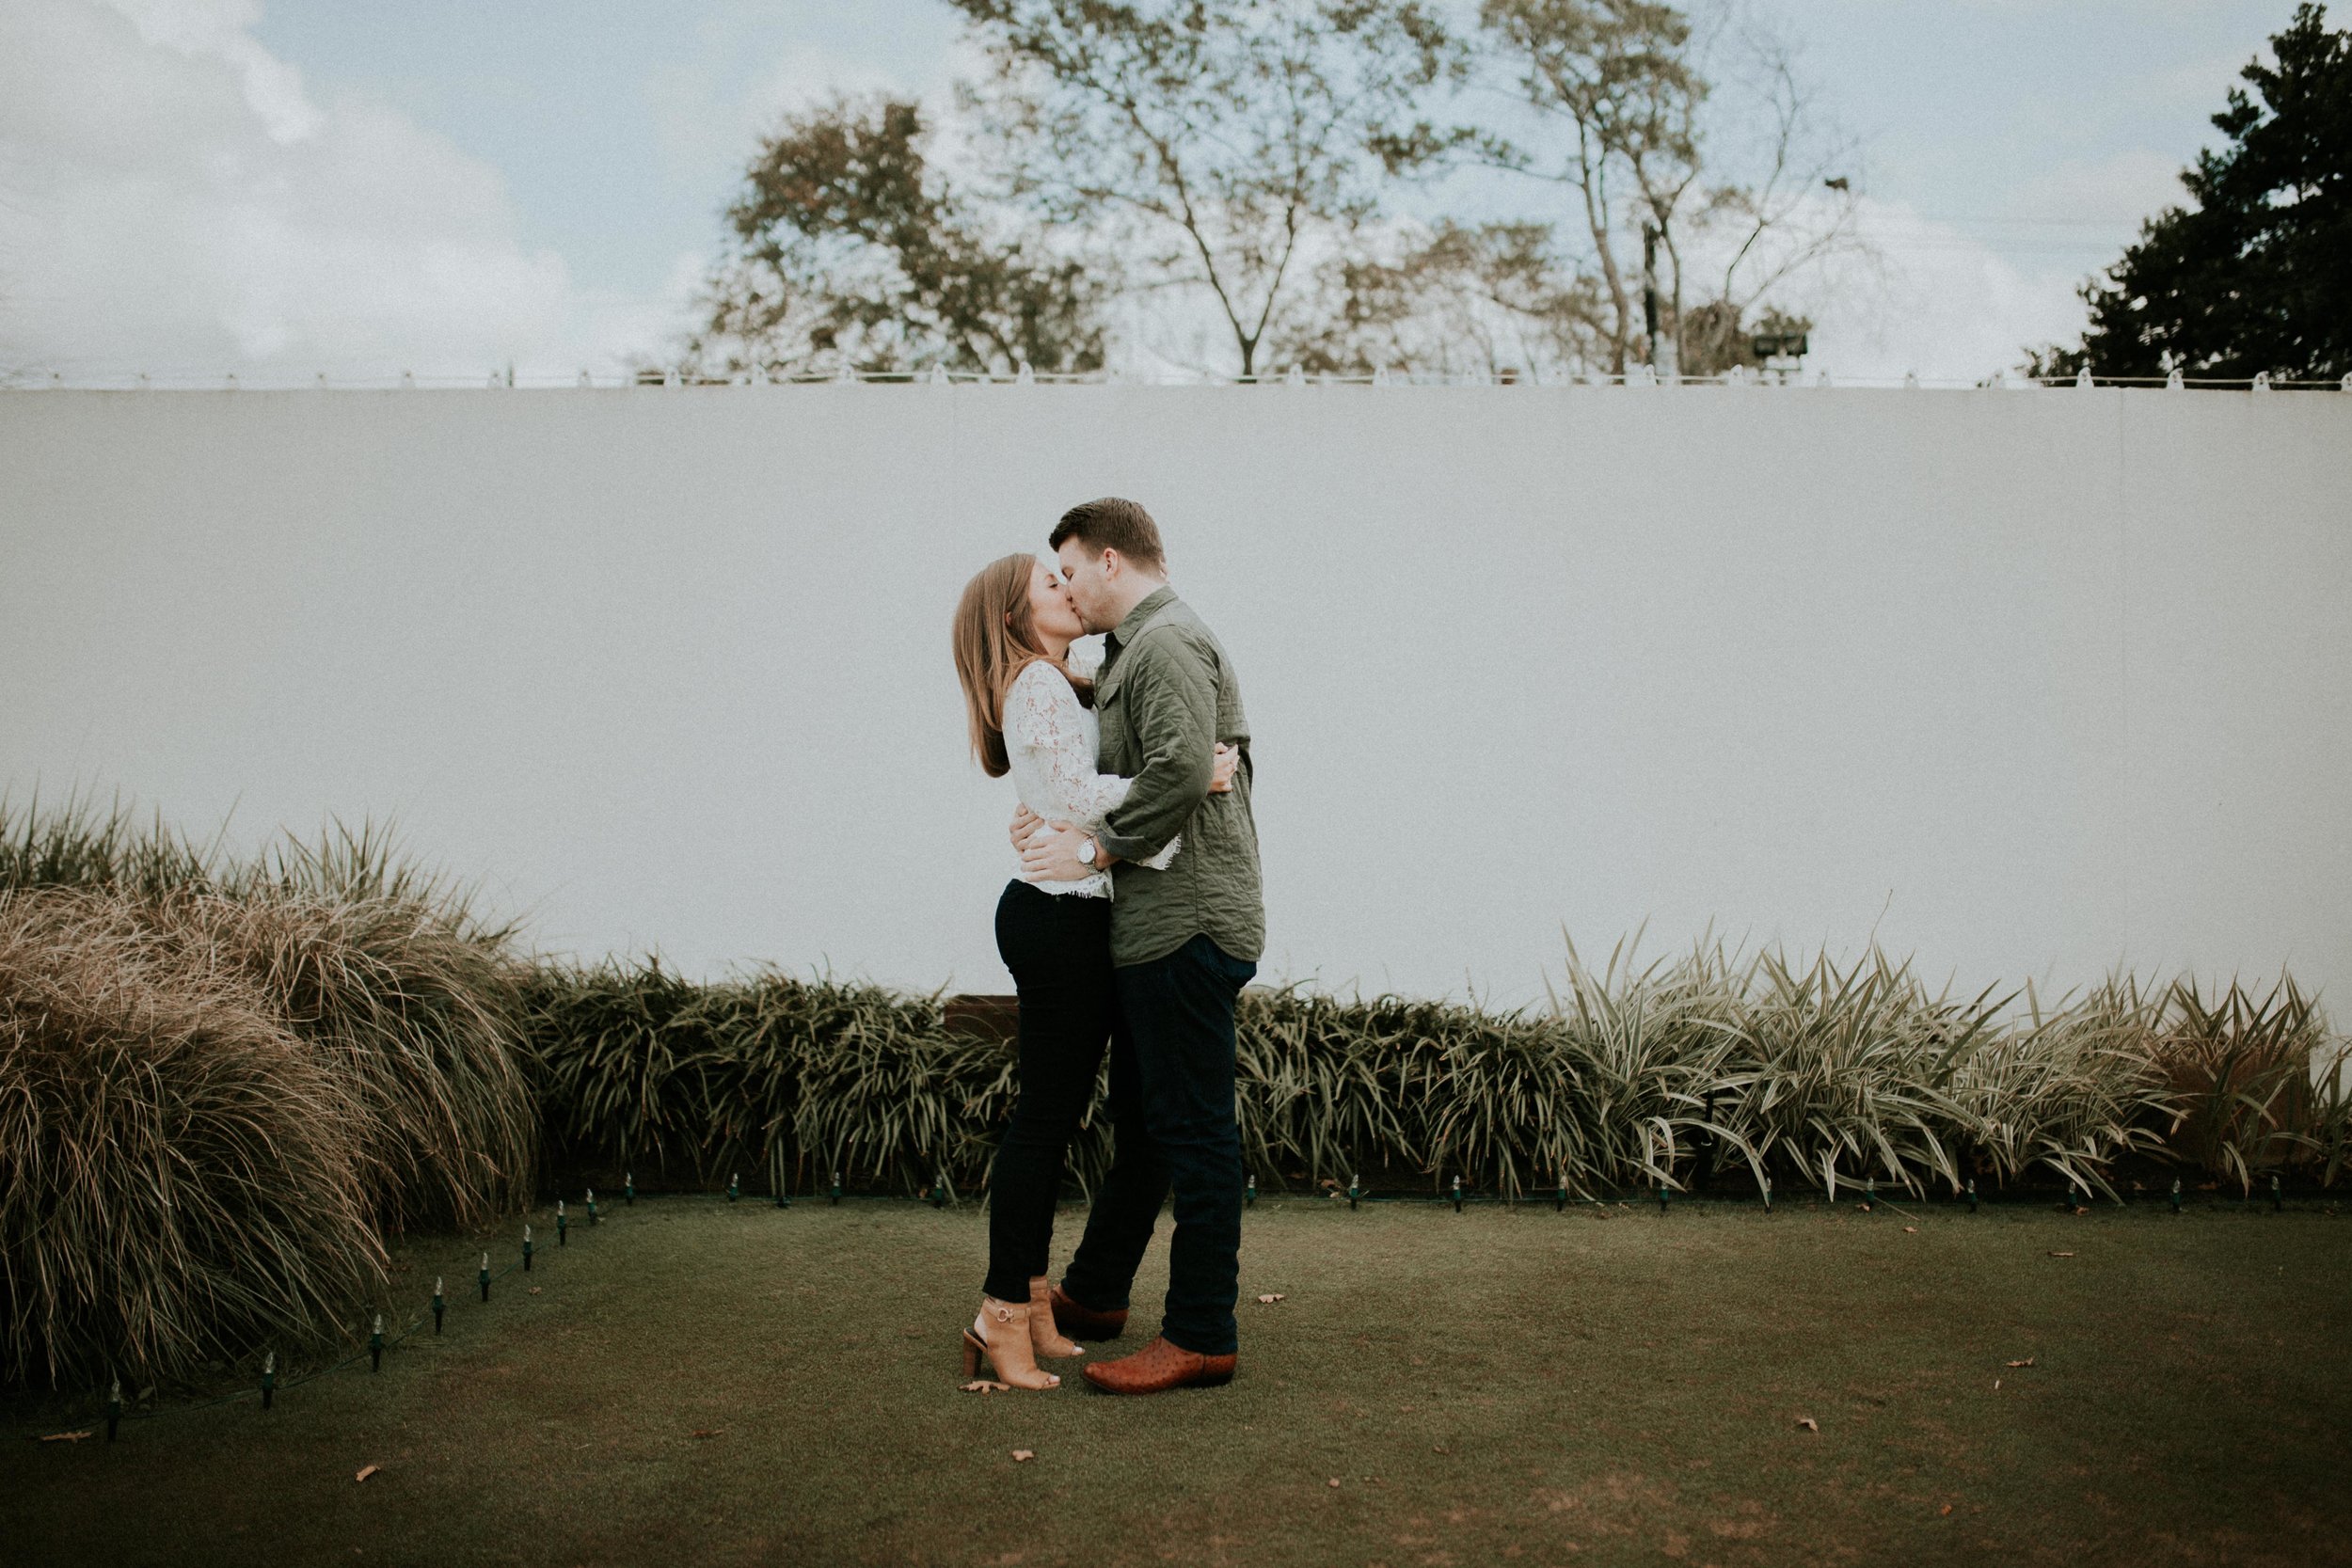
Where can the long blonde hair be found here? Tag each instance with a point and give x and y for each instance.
(995, 640)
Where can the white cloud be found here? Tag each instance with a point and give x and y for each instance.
(172, 199)
(1935, 299)
(2114, 192)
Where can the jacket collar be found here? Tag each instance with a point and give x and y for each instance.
(1149, 605)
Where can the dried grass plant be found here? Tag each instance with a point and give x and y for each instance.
(179, 1169)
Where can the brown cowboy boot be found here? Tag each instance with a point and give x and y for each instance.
(1159, 1367)
(1001, 1336)
(1084, 1322)
(1044, 1338)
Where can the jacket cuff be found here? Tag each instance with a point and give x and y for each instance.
(1127, 849)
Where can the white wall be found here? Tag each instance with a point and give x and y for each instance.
(2030, 682)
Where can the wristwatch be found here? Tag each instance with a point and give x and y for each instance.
(1086, 852)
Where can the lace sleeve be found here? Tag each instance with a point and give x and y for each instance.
(1085, 657)
(1042, 716)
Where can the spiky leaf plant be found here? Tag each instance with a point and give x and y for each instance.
(2243, 1070)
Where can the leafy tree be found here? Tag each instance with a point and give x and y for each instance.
(1488, 300)
(2257, 274)
(1616, 74)
(1228, 141)
(1625, 94)
(848, 248)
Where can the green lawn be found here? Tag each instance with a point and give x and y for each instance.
(700, 1384)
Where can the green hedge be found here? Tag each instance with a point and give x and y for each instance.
(1816, 1075)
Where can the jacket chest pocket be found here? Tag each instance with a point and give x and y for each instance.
(1110, 714)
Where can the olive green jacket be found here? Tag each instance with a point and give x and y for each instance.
(1166, 695)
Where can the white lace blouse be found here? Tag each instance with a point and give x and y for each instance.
(1052, 741)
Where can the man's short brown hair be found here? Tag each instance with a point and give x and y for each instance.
(1112, 524)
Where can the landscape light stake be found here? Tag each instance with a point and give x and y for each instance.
(485, 1276)
(1457, 1194)
(563, 1223)
(939, 1192)
(1560, 1195)
(269, 1378)
(2176, 1194)
(526, 1250)
(1354, 1192)
(2274, 1195)
(1870, 1194)
(114, 1409)
(375, 1345)
(591, 1205)
(735, 1188)
(628, 1189)
(1661, 1198)
(1249, 1193)
(836, 1189)
(1972, 1194)
(440, 1303)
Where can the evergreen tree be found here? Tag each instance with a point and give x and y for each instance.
(2257, 274)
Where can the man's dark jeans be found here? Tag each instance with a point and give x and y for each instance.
(1171, 1106)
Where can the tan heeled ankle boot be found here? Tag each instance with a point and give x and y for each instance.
(1045, 1337)
(1000, 1334)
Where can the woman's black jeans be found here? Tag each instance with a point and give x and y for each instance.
(1059, 952)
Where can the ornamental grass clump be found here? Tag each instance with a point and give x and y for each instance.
(1647, 1056)
(2258, 1081)
(1329, 1089)
(80, 846)
(411, 1013)
(886, 1093)
(1845, 1075)
(640, 1069)
(300, 1051)
(180, 1171)
(2068, 1091)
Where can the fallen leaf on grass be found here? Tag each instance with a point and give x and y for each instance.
(1996, 1385)
(706, 1432)
(1021, 1456)
(367, 1470)
(1808, 1423)
(1333, 1482)
(2061, 1254)
(534, 1290)
(65, 1437)
(986, 1385)
(2028, 1362)
(1946, 1509)
(1910, 1231)
(1269, 1300)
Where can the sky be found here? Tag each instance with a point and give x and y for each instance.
(192, 188)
